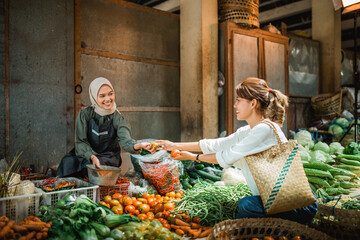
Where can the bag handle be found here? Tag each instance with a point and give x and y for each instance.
(274, 129)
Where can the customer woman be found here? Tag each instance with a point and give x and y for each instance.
(100, 130)
(255, 102)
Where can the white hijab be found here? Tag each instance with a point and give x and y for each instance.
(94, 87)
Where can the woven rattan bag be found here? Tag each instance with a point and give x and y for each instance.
(280, 177)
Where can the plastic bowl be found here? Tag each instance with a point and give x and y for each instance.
(106, 176)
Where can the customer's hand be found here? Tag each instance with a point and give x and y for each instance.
(165, 145)
(184, 155)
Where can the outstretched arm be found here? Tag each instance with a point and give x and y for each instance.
(187, 146)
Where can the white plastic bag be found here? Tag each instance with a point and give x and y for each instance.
(232, 176)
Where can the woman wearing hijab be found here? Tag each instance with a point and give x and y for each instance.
(100, 130)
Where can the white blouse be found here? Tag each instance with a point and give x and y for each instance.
(245, 141)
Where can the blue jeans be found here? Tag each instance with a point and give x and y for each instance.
(252, 207)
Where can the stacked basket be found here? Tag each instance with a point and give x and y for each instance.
(245, 12)
(249, 228)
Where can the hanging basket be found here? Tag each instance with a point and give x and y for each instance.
(248, 228)
(245, 12)
(327, 105)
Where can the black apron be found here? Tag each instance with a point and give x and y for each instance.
(104, 144)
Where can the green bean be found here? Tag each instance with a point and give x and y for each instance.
(212, 203)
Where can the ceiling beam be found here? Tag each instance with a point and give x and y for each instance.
(169, 6)
(285, 11)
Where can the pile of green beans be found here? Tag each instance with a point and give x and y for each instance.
(212, 203)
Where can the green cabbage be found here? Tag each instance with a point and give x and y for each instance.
(304, 138)
(317, 156)
(342, 122)
(335, 130)
(336, 147)
(322, 146)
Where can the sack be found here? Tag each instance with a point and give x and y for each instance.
(280, 177)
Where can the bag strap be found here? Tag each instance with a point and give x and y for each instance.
(274, 129)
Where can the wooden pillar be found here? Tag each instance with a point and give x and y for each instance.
(198, 69)
(326, 28)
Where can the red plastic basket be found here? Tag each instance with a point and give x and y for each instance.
(122, 188)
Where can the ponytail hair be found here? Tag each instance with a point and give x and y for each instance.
(271, 103)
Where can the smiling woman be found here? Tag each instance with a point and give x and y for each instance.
(100, 131)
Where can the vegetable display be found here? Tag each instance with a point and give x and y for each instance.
(211, 203)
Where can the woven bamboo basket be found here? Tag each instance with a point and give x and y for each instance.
(249, 228)
(245, 12)
(327, 105)
(338, 223)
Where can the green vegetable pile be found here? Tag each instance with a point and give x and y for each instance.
(199, 172)
(84, 219)
(146, 229)
(212, 203)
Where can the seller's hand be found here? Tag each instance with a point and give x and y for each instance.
(95, 161)
(165, 145)
(148, 146)
(185, 155)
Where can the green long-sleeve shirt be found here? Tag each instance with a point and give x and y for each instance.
(121, 125)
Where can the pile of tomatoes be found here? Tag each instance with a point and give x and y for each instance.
(148, 206)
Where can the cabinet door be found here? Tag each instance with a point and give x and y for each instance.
(276, 68)
(245, 64)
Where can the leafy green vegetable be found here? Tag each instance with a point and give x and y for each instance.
(352, 148)
(304, 138)
(336, 147)
(322, 146)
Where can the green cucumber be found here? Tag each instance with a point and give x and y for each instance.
(339, 171)
(348, 156)
(317, 173)
(199, 166)
(317, 165)
(350, 162)
(320, 181)
(347, 184)
(206, 175)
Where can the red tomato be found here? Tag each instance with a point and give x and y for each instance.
(175, 153)
(117, 196)
(142, 216)
(150, 215)
(144, 208)
(196, 220)
(130, 209)
(117, 209)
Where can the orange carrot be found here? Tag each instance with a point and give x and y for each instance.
(45, 234)
(6, 230)
(179, 232)
(34, 227)
(205, 233)
(19, 228)
(194, 233)
(39, 235)
(22, 238)
(185, 228)
(4, 219)
(181, 223)
(2, 224)
(30, 235)
(195, 225)
(45, 229)
(174, 226)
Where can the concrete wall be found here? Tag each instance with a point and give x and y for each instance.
(41, 79)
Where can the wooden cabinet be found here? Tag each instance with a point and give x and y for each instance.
(250, 53)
